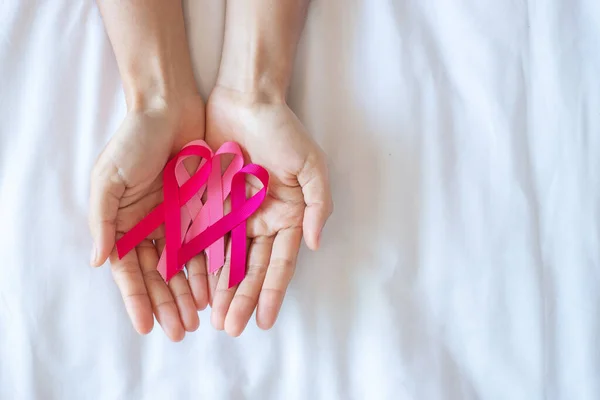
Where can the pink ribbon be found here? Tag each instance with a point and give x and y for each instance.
(192, 226)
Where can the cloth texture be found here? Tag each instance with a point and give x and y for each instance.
(463, 257)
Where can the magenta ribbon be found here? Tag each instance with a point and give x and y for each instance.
(192, 226)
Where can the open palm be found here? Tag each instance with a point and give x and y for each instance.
(126, 184)
(298, 203)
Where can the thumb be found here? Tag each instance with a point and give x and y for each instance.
(314, 180)
(106, 190)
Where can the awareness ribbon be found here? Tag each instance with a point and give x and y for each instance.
(192, 226)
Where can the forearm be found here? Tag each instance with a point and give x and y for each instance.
(149, 41)
(260, 43)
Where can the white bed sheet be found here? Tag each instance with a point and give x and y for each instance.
(462, 261)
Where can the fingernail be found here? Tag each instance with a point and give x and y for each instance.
(94, 255)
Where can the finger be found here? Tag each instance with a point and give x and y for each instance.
(180, 289)
(246, 296)
(105, 193)
(185, 302)
(222, 295)
(162, 300)
(128, 277)
(279, 273)
(314, 181)
(198, 280)
(213, 279)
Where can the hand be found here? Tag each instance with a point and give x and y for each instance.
(126, 184)
(299, 201)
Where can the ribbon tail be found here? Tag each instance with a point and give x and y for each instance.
(215, 253)
(237, 269)
(172, 220)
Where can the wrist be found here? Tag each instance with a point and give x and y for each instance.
(155, 87)
(259, 47)
(255, 61)
(150, 45)
(251, 75)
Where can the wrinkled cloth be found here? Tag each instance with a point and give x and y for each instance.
(462, 260)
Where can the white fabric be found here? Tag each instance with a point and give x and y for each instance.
(463, 258)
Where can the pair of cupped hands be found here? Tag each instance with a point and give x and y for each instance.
(126, 184)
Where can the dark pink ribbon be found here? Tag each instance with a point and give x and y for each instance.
(191, 226)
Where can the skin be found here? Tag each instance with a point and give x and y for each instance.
(165, 111)
(248, 105)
